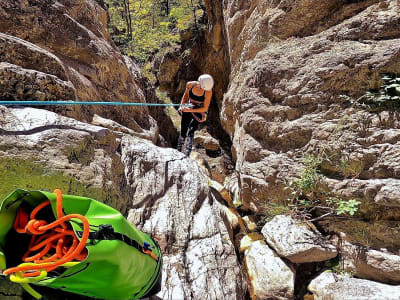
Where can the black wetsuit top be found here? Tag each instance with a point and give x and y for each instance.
(195, 97)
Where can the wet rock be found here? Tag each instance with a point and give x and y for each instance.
(269, 276)
(331, 286)
(250, 223)
(297, 241)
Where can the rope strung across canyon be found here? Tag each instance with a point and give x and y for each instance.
(44, 103)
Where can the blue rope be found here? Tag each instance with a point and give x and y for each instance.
(84, 103)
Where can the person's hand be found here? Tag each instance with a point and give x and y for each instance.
(180, 109)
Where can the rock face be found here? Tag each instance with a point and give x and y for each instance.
(331, 286)
(290, 63)
(296, 241)
(164, 192)
(62, 51)
(172, 201)
(270, 277)
(370, 264)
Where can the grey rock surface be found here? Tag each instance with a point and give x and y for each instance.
(62, 50)
(171, 200)
(335, 287)
(297, 241)
(370, 264)
(269, 276)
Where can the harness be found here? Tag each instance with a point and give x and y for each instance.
(197, 102)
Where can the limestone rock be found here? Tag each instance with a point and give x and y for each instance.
(24, 84)
(370, 264)
(248, 240)
(66, 45)
(206, 141)
(332, 286)
(83, 154)
(15, 51)
(296, 241)
(374, 234)
(114, 126)
(171, 200)
(231, 220)
(290, 62)
(269, 276)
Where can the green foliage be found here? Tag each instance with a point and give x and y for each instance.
(344, 207)
(305, 195)
(142, 27)
(270, 210)
(350, 168)
(186, 13)
(338, 268)
(387, 97)
(310, 174)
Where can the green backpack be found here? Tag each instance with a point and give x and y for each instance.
(122, 262)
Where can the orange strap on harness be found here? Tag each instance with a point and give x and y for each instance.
(51, 245)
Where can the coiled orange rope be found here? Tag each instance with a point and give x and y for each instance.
(57, 244)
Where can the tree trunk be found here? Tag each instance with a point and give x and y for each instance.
(130, 20)
(194, 13)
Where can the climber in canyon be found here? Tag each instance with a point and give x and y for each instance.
(198, 95)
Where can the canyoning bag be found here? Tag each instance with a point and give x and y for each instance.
(121, 262)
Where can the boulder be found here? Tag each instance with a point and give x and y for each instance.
(297, 241)
(206, 141)
(331, 286)
(270, 277)
(248, 240)
(172, 200)
(370, 264)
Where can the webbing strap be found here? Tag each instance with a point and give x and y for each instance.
(106, 232)
(44, 103)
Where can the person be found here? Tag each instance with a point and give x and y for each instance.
(194, 106)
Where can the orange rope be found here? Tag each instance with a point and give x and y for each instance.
(56, 245)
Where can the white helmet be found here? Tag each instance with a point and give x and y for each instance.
(206, 82)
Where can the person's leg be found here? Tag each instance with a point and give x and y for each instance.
(193, 125)
(186, 118)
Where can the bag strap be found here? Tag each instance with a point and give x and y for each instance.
(106, 232)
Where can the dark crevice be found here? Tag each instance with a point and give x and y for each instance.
(41, 129)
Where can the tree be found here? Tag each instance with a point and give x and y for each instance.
(141, 27)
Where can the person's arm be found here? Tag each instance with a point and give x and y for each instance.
(205, 107)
